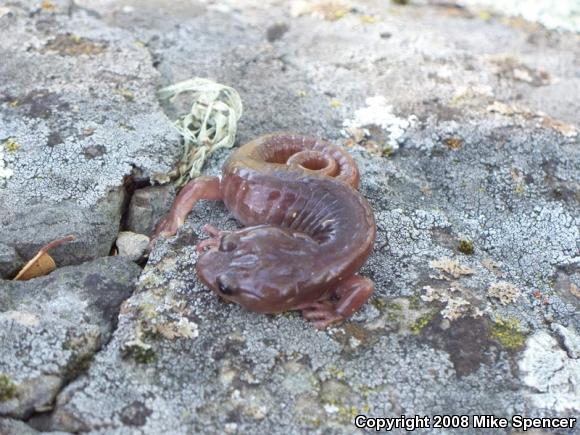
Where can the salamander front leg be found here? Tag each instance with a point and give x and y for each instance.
(214, 241)
(201, 188)
(350, 296)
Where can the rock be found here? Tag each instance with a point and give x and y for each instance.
(147, 206)
(131, 245)
(95, 228)
(10, 261)
(50, 328)
(15, 427)
(459, 150)
(78, 113)
(551, 376)
(570, 339)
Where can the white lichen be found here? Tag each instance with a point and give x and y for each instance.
(380, 114)
(504, 291)
(456, 306)
(4, 171)
(450, 267)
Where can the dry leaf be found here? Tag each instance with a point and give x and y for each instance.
(42, 263)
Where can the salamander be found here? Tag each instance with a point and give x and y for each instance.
(308, 229)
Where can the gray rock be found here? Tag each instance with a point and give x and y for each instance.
(464, 154)
(52, 326)
(10, 261)
(78, 114)
(9, 426)
(147, 206)
(131, 245)
(95, 228)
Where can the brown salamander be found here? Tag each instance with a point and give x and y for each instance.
(308, 229)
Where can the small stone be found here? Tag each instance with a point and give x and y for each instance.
(131, 245)
(148, 206)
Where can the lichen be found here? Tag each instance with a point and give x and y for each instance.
(7, 388)
(421, 322)
(11, 145)
(504, 291)
(465, 247)
(456, 306)
(451, 268)
(507, 331)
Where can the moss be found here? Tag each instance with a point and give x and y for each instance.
(387, 151)
(415, 302)
(394, 312)
(11, 145)
(79, 365)
(74, 45)
(139, 352)
(508, 333)
(379, 304)
(348, 413)
(368, 19)
(335, 103)
(421, 322)
(126, 94)
(365, 390)
(465, 247)
(335, 372)
(7, 388)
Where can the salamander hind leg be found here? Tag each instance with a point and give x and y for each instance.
(348, 298)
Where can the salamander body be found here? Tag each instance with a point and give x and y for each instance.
(308, 230)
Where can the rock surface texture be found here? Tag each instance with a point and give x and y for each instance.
(464, 126)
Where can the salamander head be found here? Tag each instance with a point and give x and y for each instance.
(264, 269)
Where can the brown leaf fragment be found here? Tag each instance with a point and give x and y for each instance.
(42, 263)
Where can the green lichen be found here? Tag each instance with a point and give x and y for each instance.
(421, 322)
(465, 247)
(507, 331)
(11, 145)
(7, 388)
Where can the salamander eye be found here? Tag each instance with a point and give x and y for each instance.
(229, 242)
(225, 285)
